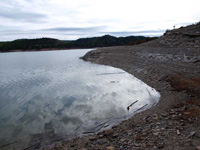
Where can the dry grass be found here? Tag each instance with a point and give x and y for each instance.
(180, 83)
(190, 85)
(191, 107)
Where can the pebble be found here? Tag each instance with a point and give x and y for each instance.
(198, 147)
(101, 141)
(138, 138)
(115, 135)
(72, 145)
(110, 148)
(122, 140)
(93, 138)
(137, 145)
(101, 136)
(155, 116)
(108, 132)
(178, 132)
(192, 133)
(156, 133)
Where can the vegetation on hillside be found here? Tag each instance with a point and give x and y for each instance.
(47, 43)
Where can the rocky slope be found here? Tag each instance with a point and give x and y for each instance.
(171, 65)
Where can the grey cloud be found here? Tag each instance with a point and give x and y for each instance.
(185, 23)
(86, 29)
(19, 15)
(126, 33)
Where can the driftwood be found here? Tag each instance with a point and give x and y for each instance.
(148, 92)
(111, 73)
(78, 128)
(154, 103)
(89, 132)
(131, 105)
(101, 125)
(58, 140)
(141, 108)
(106, 126)
(8, 144)
(37, 144)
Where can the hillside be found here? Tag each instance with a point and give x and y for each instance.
(49, 43)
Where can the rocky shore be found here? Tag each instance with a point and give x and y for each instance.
(171, 65)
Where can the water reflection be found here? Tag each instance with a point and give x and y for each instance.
(46, 96)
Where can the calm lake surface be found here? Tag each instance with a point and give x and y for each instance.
(52, 95)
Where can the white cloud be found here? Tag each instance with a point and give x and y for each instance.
(28, 17)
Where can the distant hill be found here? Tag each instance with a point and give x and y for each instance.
(49, 43)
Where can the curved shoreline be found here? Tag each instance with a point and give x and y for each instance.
(165, 126)
(169, 64)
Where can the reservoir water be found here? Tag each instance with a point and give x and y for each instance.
(54, 95)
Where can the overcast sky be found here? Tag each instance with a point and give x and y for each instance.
(72, 19)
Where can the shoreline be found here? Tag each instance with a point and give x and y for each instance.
(173, 70)
(44, 50)
(171, 96)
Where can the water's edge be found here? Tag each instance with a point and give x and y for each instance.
(103, 124)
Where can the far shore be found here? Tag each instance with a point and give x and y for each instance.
(43, 50)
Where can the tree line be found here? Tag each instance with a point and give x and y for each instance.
(48, 43)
